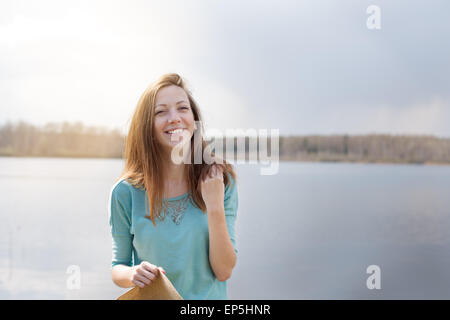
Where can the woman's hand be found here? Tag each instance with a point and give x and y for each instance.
(212, 189)
(143, 274)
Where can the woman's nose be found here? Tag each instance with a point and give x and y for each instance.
(173, 116)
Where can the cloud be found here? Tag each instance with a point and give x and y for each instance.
(287, 64)
(423, 118)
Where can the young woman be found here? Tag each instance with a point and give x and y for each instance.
(171, 216)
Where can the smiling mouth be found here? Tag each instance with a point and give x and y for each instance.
(179, 130)
(174, 132)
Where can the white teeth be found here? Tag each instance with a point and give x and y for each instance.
(175, 131)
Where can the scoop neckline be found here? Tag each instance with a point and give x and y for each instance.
(177, 197)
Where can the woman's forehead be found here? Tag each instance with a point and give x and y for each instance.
(171, 95)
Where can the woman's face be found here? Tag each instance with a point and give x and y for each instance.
(174, 118)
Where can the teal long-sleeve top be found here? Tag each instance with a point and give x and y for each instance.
(179, 243)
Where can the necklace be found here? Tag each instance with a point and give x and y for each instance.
(176, 209)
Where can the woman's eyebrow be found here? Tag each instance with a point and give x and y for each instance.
(162, 104)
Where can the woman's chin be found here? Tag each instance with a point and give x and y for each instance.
(169, 146)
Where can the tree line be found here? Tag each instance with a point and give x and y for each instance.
(77, 140)
(60, 140)
(367, 148)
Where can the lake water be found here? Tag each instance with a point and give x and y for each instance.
(308, 232)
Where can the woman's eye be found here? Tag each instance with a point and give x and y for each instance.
(162, 111)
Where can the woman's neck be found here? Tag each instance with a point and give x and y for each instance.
(174, 174)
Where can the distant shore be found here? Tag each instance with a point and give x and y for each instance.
(427, 163)
(67, 140)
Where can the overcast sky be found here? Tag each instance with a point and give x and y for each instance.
(303, 67)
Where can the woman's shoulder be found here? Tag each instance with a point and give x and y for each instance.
(122, 188)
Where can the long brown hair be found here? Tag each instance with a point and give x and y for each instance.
(143, 154)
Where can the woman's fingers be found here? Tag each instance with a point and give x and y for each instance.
(143, 279)
(146, 274)
(149, 267)
(218, 173)
(139, 283)
(210, 173)
(162, 270)
(214, 172)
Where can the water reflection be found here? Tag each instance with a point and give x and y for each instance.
(308, 232)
